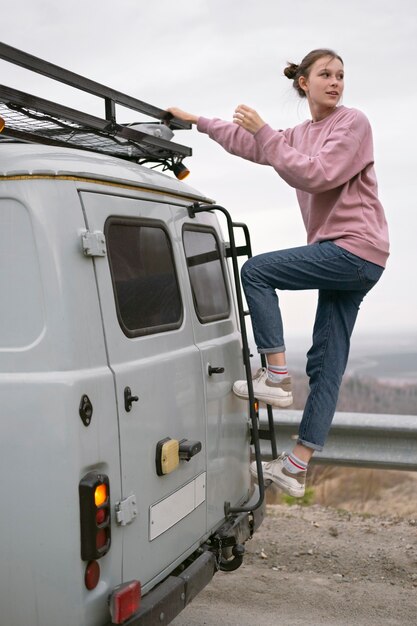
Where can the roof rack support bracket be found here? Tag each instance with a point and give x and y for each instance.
(110, 106)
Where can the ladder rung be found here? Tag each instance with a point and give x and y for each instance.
(240, 251)
(265, 434)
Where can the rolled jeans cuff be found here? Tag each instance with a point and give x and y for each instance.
(271, 350)
(312, 446)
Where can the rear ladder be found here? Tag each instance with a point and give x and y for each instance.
(233, 252)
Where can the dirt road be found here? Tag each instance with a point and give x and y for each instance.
(317, 566)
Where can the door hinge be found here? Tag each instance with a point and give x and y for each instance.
(93, 243)
(126, 510)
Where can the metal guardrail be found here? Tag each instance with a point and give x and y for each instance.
(356, 439)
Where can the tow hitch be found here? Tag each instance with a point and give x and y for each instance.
(229, 554)
(227, 544)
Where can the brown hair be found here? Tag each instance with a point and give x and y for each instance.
(294, 72)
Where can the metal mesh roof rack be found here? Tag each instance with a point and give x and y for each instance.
(32, 119)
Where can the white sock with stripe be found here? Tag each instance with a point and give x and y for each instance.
(277, 373)
(294, 465)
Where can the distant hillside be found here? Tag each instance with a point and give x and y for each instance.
(360, 395)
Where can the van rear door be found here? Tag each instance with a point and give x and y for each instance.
(219, 341)
(157, 374)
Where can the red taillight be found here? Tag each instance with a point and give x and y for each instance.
(125, 601)
(92, 575)
(95, 517)
(101, 538)
(100, 516)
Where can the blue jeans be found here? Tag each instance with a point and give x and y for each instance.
(342, 280)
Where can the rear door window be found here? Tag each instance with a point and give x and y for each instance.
(206, 271)
(145, 282)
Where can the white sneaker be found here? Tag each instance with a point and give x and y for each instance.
(275, 394)
(275, 471)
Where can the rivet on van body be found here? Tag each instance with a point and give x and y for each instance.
(86, 410)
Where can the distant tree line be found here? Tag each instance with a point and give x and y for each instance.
(364, 395)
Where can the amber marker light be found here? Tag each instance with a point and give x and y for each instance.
(180, 171)
(100, 494)
(2, 124)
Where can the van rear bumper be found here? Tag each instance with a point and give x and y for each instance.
(165, 601)
(169, 598)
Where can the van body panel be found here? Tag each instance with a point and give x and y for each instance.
(69, 338)
(45, 448)
(65, 300)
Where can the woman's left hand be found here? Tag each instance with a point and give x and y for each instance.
(248, 119)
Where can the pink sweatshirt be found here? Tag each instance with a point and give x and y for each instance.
(330, 164)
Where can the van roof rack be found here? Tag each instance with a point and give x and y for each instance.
(32, 119)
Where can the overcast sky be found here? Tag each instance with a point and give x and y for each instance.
(207, 56)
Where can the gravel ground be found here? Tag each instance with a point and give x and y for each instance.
(317, 566)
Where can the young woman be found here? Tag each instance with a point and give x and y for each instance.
(329, 161)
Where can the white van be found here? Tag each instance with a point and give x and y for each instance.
(124, 454)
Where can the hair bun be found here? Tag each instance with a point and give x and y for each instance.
(291, 70)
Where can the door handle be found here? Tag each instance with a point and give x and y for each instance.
(129, 399)
(214, 370)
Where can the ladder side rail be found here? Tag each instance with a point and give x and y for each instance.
(272, 437)
(197, 208)
(271, 425)
(50, 70)
(246, 233)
